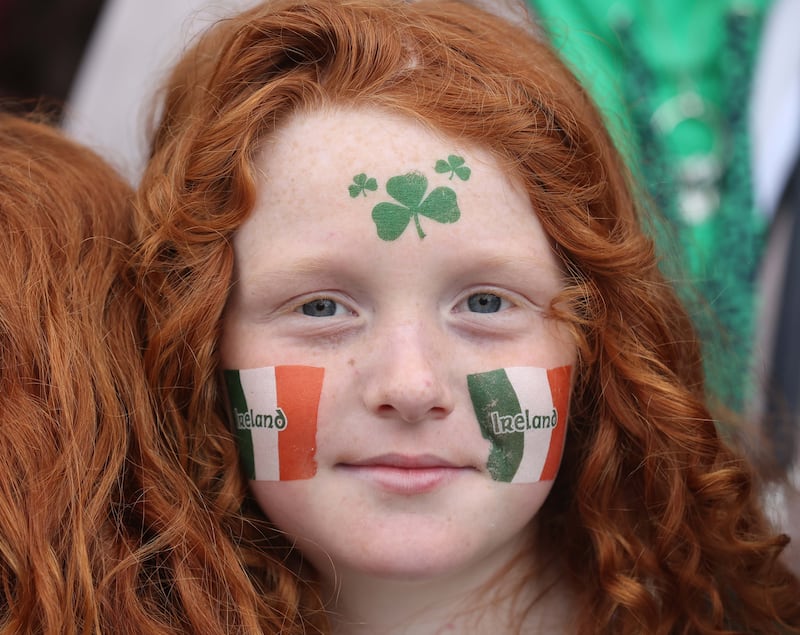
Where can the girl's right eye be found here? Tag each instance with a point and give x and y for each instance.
(322, 307)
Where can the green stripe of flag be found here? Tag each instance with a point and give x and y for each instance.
(492, 392)
(245, 437)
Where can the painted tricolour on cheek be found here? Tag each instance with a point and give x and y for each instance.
(275, 417)
(522, 411)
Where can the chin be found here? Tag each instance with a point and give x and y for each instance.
(417, 566)
(464, 532)
(416, 559)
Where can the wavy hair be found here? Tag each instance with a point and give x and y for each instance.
(70, 376)
(656, 517)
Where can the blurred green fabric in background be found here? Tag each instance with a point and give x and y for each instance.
(673, 80)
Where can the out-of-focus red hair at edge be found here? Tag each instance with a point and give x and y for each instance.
(70, 377)
(652, 516)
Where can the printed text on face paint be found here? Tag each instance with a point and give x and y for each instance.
(506, 424)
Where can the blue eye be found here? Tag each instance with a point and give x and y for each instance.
(320, 307)
(484, 303)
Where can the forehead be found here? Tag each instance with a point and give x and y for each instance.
(327, 181)
(334, 141)
(313, 157)
(351, 180)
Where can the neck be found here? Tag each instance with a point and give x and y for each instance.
(508, 600)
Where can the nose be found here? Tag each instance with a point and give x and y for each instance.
(407, 376)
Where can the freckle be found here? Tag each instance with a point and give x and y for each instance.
(351, 362)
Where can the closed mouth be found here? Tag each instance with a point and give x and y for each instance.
(403, 461)
(405, 474)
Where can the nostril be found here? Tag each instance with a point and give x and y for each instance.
(385, 409)
(410, 414)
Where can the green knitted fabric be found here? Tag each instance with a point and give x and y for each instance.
(673, 81)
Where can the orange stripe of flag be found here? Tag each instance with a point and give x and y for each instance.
(298, 390)
(560, 380)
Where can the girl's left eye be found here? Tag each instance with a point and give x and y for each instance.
(486, 303)
(322, 307)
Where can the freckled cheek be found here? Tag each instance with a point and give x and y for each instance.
(338, 411)
(259, 349)
(557, 346)
(247, 346)
(521, 502)
(232, 352)
(290, 505)
(273, 496)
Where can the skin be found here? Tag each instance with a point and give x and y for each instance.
(402, 502)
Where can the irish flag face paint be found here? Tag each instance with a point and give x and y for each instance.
(275, 417)
(522, 411)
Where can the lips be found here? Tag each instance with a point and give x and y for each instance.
(421, 461)
(405, 474)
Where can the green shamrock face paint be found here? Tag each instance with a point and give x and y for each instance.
(522, 411)
(453, 166)
(412, 199)
(361, 184)
(391, 219)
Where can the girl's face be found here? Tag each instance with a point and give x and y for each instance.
(408, 414)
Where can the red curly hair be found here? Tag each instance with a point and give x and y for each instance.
(70, 377)
(99, 533)
(656, 517)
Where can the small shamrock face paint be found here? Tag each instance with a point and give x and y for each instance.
(454, 166)
(362, 184)
(275, 417)
(522, 411)
(409, 191)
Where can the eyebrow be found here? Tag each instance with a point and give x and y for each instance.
(333, 264)
(302, 268)
(501, 261)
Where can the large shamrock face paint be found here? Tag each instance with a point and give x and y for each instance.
(408, 190)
